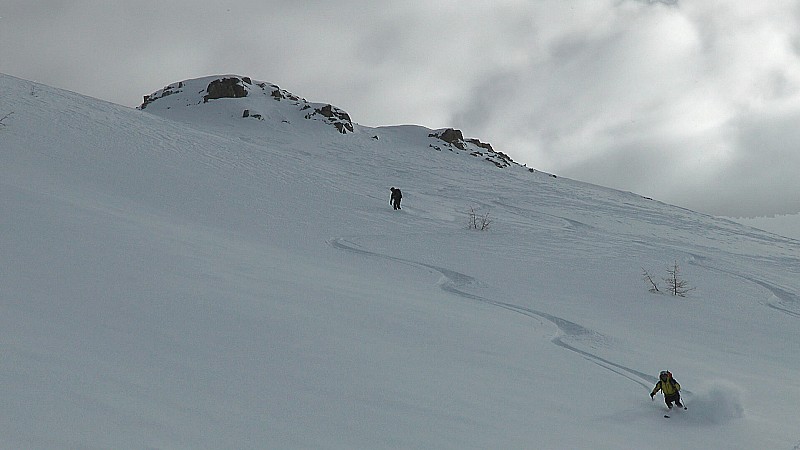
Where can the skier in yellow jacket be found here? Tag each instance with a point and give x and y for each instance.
(669, 387)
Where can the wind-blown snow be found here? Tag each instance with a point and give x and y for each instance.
(188, 278)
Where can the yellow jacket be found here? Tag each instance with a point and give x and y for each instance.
(668, 387)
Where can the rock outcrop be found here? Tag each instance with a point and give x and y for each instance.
(226, 88)
(338, 118)
(234, 88)
(455, 138)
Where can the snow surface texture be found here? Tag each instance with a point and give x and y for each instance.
(785, 225)
(185, 277)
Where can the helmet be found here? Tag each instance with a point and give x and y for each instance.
(665, 375)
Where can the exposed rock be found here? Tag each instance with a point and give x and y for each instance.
(480, 144)
(280, 94)
(168, 90)
(335, 116)
(451, 136)
(225, 88)
(456, 139)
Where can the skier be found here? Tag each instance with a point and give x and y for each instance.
(394, 200)
(669, 387)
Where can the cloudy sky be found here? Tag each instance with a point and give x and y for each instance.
(692, 102)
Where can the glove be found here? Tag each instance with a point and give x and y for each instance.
(652, 396)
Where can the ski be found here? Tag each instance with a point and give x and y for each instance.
(667, 416)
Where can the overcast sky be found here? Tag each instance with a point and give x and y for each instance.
(695, 103)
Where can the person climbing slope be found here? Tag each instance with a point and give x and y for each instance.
(394, 200)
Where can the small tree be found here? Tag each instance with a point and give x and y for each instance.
(477, 222)
(677, 286)
(652, 283)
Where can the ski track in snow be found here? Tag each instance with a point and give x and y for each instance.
(528, 213)
(785, 297)
(567, 328)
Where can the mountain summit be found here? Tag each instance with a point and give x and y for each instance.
(231, 98)
(244, 98)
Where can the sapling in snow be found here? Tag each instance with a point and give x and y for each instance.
(677, 286)
(649, 279)
(5, 117)
(478, 222)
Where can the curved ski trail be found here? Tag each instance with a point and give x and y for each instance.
(567, 329)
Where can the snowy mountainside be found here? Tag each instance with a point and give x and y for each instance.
(181, 276)
(224, 100)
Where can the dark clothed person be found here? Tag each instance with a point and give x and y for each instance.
(394, 200)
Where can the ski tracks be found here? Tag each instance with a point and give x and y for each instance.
(785, 298)
(568, 330)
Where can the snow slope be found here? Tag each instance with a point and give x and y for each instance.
(786, 225)
(184, 277)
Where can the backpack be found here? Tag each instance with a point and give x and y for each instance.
(672, 380)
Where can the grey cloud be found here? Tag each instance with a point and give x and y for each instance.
(655, 105)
